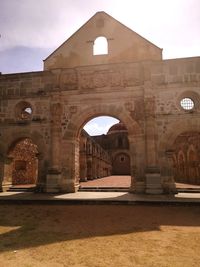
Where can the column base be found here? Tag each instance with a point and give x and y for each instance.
(5, 187)
(69, 186)
(153, 184)
(53, 182)
(137, 187)
(169, 186)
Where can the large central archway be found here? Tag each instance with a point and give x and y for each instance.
(71, 164)
(104, 155)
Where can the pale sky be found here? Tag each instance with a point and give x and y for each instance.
(100, 125)
(31, 29)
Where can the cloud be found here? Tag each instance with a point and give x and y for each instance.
(44, 23)
(48, 23)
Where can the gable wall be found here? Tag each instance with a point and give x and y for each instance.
(124, 45)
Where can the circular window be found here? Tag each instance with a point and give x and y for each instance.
(187, 103)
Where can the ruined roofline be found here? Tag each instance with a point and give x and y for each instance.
(34, 73)
(143, 62)
(182, 58)
(101, 12)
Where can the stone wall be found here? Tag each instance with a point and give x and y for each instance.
(145, 96)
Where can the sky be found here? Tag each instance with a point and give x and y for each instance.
(100, 125)
(32, 29)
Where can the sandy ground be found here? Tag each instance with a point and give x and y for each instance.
(99, 236)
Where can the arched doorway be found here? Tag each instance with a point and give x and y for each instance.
(121, 164)
(22, 164)
(104, 154)
(70, 164)
(187, 158)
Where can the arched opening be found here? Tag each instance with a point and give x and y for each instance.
(22, 164)
(186, 158)
(100, 46)
(104, 154)
(121, 164)
(23, 111)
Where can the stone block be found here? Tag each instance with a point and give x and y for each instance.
(153, 183)
(53, 183)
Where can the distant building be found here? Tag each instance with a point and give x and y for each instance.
(105, 155)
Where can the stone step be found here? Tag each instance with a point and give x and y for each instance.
(21, 189)
(188, 190)
(103, 189)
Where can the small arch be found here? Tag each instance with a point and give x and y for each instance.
(23, 111)
(121, 164)
(100, 46)
(23, 162)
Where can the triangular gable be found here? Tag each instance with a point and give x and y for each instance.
(124, 45)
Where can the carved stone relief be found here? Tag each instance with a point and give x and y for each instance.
(69, 80)
(138, 112)
(86, 81)
(100, 79)
(132, 77)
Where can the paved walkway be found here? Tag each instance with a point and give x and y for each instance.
(97, 198)
(123, 181)
(102, 197)
(110, 181)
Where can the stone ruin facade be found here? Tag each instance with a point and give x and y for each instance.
(157, 100)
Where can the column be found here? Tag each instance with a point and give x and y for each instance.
(169, 186)
(137, 163)
(6, 170)
(54, 172)
(153, 177)
(1, 174)
(41, 176)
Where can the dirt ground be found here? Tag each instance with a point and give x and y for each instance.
(99, 236)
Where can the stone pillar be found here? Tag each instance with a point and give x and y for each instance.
(1, 173)
(83, 166)
(94, 167)
(137, 164)
(89, 168)
(54, 172)
(153, 177)
(41, 177)
(83, 159)
(7, 173)
(169, 185)
(70, 166)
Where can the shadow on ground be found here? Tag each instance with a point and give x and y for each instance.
(23, 226)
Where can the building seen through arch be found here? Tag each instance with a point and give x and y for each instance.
(105, 155)
(186, 158)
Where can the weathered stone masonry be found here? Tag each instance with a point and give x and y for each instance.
(144, 94)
